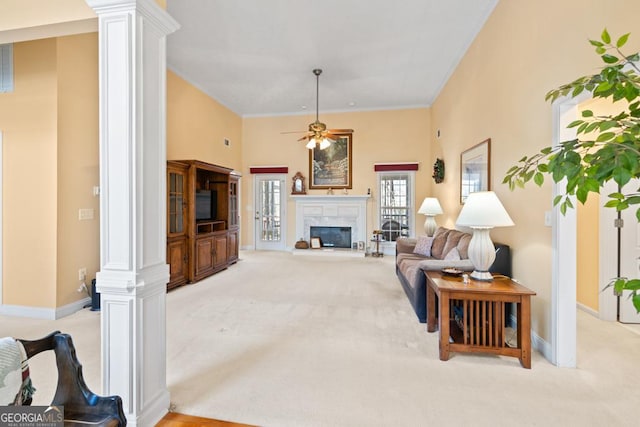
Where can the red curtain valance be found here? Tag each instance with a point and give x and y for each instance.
(269, 169)
(392, 167)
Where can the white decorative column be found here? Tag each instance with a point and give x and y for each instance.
(133, 269)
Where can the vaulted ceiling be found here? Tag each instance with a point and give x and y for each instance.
(256, 56)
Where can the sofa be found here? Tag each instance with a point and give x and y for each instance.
(447, 248)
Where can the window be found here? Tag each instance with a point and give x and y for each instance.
(6, 68)
(396, 202)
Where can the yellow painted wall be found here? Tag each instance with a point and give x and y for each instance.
(197, 126)
(498, 91)
(587, 252)
(588, 222)
(379, 137)
(17, 14)
(28, 121)
(78, 163)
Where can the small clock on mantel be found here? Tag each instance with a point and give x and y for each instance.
(298, 184)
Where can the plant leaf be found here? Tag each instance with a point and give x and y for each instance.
(622, 40)
(538, 178)
(632, 285)
(636, 301)
(605, 36)
(606, 136)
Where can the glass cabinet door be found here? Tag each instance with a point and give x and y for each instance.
(177, 203)
(233, 203)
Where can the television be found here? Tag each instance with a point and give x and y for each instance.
(206, 204)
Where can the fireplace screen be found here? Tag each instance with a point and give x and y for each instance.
(332, 237)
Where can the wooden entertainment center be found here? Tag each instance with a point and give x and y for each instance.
(202, 220)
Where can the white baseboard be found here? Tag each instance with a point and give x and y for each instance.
(537, 343)
(44, 313)
(587, 309)
(543, 347)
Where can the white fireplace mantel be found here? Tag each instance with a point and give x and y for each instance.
(344, 210)
(340, 198)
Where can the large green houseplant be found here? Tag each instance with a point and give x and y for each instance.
(607, 147)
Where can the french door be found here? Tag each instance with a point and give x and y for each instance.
(629, 256)
(270, 216)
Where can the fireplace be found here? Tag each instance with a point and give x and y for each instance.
(332, 237)
(341, 212)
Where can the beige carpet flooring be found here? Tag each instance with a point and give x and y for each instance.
(283, 340)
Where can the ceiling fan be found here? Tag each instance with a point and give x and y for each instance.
(318, 136)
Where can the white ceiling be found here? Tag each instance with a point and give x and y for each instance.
(256, 56)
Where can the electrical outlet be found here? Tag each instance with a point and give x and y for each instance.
(82, 273)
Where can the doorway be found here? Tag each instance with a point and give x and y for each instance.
(625, 241)
(563, 310)
(270, 216)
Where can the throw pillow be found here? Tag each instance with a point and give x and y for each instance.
(439, 240)
(423, 246)
(452, 255)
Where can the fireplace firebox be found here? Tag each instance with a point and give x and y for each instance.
(332, 237)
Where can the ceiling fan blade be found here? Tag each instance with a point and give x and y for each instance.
(295, 131)
(305, 137)
(340, 130)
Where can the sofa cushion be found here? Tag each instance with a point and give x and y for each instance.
(463, 246)
(405, 245)
(409, 267)
(423, 246)
(453, 238)
(430, 264)
(439, 240)
(452, 255)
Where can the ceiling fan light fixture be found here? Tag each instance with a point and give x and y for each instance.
(318, 136)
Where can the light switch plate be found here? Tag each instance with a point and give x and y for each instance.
(84, 214)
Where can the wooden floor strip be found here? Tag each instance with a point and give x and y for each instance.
(174, 419)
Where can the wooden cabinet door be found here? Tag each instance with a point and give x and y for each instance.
(177, 259)
(232, 245)
(220, 251)
(204, 257)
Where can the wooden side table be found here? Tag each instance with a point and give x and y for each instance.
(473, 314)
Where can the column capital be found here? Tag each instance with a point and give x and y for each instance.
(148, 8)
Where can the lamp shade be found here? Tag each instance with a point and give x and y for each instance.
(483, 209)
(322, 143)
(430, 206)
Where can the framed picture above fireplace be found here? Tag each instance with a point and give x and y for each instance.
(331, 167)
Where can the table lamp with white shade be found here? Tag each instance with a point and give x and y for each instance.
(481, 212)
(430, 207)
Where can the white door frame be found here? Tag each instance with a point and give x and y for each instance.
(282, 246)
(564, 264)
